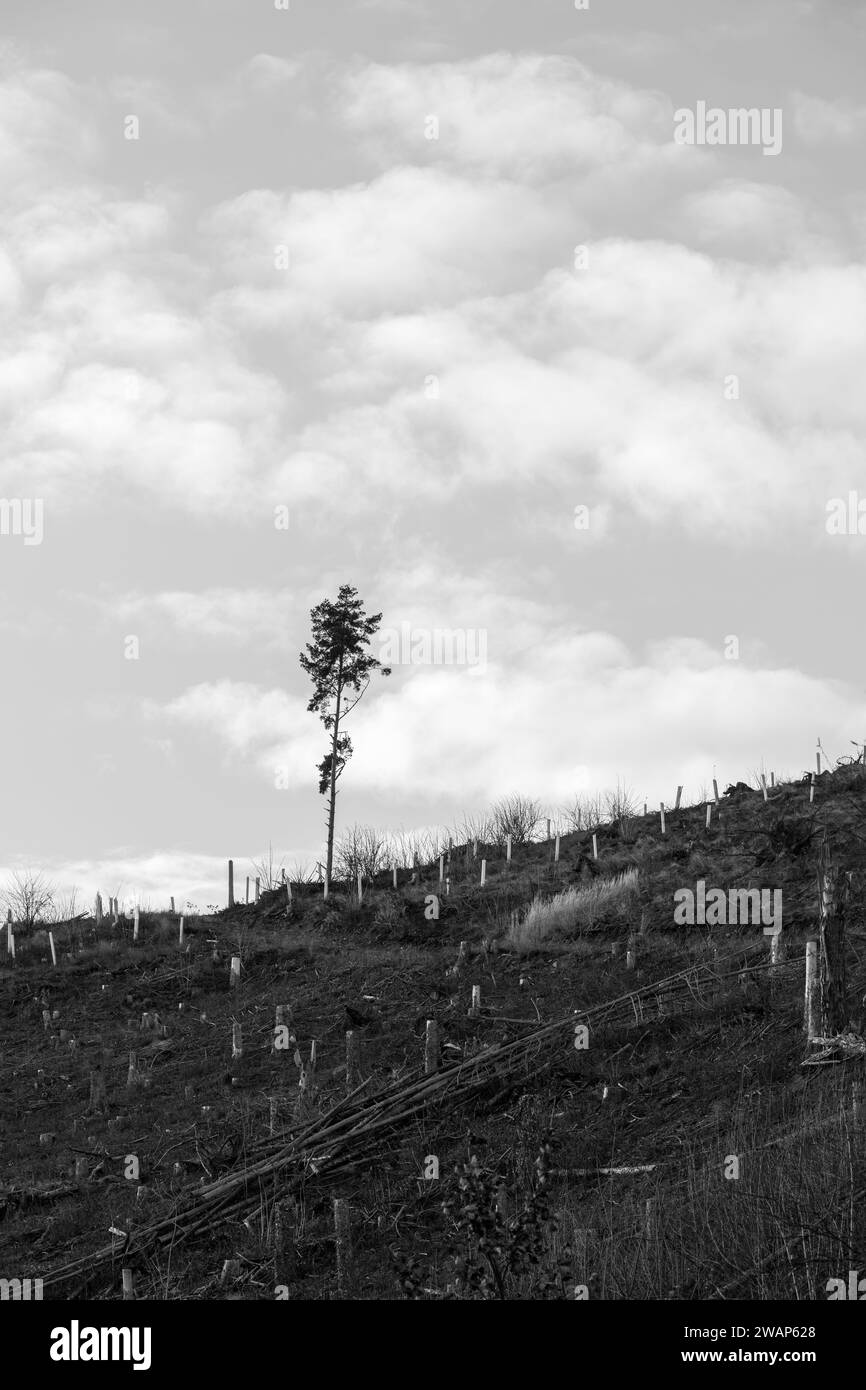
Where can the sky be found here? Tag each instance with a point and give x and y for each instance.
(432, 300)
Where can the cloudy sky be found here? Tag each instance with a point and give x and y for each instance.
(422, 280)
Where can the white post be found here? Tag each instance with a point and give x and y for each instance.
(447, 887)
(812, 789)
(764, 785)
(716, 791)
(818, 759)
(556, 851)
(594, 845)
(180, 933)
(324, 885)
(235, 973)
(431, 1047)
(475, 1006)
(483, 871)
(662, 809)
(247, 893)
(677, 802)
(360, 887)
(231, 883)
(11, 936)
(474, 849)
(53, 951)
(395, 875)
(709, 814)
(135, 923)
(810, 1012)
(128, 1277)
(237, 1041)
(508, 848)
(630, 954)
(441, 868)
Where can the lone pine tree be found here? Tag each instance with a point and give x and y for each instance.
(340, 667)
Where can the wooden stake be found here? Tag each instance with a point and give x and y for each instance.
(53, 951)
(258, 888)
(128, 1277)
(764, 785)
(394, 871)
(834, 894)
(235, 972)
(353, 1061)
(772, 779)
(508, 848)
(135, 919)
(475, 1006)
(431, 1047)
(594, 845)
(441, 867)
(677, 802)
(360, 887)
(556, 850)
(812, 789)
(180, 933)
(237, 1041)
(716, 791)
(231, 883)
(247, 892)
(662, 809)
(483, 872)
(172, 906)
(548, 827)
(811, 1004)
(97, 1088)
(709, 814)
(342, 1238)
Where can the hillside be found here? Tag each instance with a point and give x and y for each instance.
(694, 1072)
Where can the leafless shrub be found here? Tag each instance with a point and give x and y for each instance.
(360, 849)
(517, 816)
(267, 870)
(30, 897)
(620, 803)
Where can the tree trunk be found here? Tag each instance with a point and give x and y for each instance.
(332, 807)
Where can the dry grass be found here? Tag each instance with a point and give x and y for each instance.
(577, 909)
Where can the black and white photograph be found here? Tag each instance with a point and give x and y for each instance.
(432, 690)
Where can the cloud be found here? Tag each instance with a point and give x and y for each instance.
(521, 116)
(818, 121)
(660, 719)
